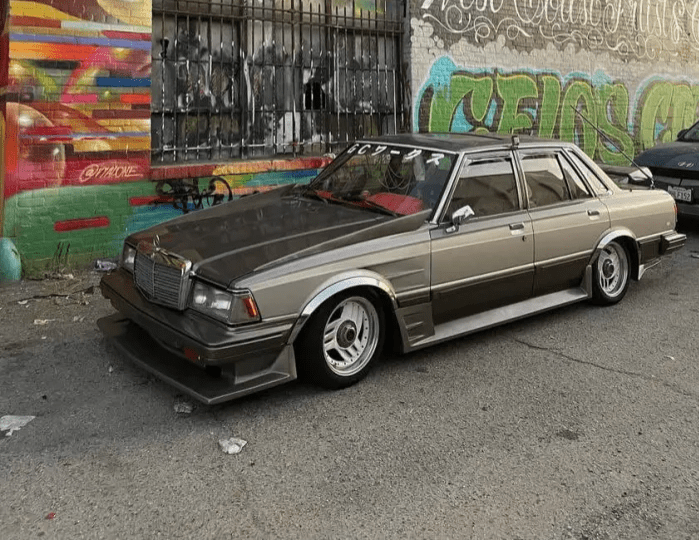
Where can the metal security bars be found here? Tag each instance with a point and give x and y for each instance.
(256, 78)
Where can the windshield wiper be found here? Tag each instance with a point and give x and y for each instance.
(313, 194)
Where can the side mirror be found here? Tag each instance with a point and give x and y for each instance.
(681, 133)
(461, 215)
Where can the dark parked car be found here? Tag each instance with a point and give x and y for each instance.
(411, 239)
(675, 168)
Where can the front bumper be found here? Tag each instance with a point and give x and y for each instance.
(250, 358)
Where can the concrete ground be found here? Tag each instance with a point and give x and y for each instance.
(580, 423)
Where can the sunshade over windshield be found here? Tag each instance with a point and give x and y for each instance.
(398, 180)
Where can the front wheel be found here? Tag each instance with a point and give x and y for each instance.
(338, 345)
(611, 274)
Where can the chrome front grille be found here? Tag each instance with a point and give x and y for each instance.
(161, 276)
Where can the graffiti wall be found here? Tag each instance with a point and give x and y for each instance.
(77, 117)
(78, 177)
(542, 67)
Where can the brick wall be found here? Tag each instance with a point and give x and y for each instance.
(526, 66)
(77, 171)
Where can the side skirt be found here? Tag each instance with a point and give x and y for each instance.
(497, 316)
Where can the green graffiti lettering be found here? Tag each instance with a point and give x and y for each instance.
(573, 128)
(540, 102)
(512, 90)
(550, 99)
(684, 109)
(613, 101)
(656, 108)
(446, 100)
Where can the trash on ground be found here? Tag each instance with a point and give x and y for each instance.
(23, 302)
(183, 406)
(110, 369)
(694, 254)
(105, 265)
(41, 322)
(232, 445)
(50, 515)
(78, 318)
(13, 423)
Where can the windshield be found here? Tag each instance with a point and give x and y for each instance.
(394, 179)
(692, 134)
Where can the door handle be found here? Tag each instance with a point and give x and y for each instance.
(516, 226)
(593, 212)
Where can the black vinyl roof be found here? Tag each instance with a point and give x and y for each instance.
(459, 142)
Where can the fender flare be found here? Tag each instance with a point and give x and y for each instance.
(616, 234)
(336, 285)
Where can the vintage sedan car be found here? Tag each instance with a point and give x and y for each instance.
(404, 240)
(675, 168)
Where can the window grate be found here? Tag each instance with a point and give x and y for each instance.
(234, 80)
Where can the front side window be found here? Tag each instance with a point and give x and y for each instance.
(488, 186)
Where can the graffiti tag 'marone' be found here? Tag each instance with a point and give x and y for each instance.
(108, 171)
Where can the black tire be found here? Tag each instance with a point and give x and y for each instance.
(610, 274)
(341, 341)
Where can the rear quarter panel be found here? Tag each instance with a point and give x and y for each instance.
(646, 213)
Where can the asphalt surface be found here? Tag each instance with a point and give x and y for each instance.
(580, 423)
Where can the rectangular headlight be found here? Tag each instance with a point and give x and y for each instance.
(128, 256)
(231, 307)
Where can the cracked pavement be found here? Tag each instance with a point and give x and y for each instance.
(580, 423)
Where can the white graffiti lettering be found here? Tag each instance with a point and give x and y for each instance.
(642, 28)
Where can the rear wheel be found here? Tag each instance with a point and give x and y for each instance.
(340, 342)
(611, 274)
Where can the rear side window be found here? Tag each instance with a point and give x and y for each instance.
(589, 174)
(545, 180)
(578, 189)
(488, 185)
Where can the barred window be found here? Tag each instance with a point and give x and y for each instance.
(253, 78)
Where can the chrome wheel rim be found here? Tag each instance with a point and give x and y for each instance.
(612, 270)
(350, 336)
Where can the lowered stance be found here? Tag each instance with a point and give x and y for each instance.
(408, 239)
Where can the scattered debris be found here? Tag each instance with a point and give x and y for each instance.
(110, 369)
(79, 318)
(23, 302)
(13, 423)
(668, 357)
(183, 406)
(50, 515)
(232, 445)
(41, 322)
(105, 265)
(694, 254)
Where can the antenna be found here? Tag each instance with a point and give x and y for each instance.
(610, 141)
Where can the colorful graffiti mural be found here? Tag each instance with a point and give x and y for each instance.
(77, 160)
(76, 115)
(546, 104)
(78, 93)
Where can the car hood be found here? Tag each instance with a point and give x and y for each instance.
(676, 155)
(231, 240)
